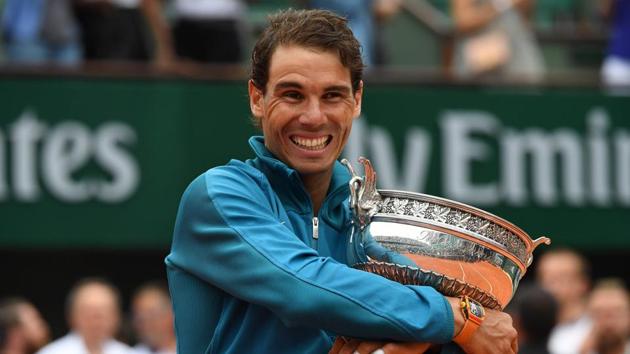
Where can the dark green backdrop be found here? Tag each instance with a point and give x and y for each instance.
(184, 127)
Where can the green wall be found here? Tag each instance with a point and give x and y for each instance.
(102, 162)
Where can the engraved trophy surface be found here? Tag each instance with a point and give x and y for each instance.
(419, 239)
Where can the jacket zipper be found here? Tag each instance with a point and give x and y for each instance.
(315, 232)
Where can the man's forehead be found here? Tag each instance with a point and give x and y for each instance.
(284, 49)
(288, 59)
(151, 295)
(563, 258)
(610, 293)
(91, 293)
(295, 82)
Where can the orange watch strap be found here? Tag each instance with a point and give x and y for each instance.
(471, 323)
(466, 333)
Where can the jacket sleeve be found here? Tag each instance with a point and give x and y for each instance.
(227, 234)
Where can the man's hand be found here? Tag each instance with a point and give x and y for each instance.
(496, 335)
(351, 346)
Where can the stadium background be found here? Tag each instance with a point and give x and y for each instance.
(93, 160)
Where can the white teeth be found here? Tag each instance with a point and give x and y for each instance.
(311, 144)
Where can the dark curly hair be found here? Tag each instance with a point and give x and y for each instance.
(309, 28)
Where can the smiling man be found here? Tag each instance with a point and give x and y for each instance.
(258, 261)
(306, 110)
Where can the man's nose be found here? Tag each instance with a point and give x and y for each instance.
(313, 114)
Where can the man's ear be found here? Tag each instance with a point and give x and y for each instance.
(358, 97)
(255, 100)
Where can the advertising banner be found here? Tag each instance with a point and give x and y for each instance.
(102, 162)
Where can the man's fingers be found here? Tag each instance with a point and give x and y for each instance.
(344, 345)
(406, 348)
(350, 347)
(339, 342)
(368, 347)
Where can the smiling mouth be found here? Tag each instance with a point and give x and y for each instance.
(311, 144)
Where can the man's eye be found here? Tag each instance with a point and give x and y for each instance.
(332, 95)
(293, 95)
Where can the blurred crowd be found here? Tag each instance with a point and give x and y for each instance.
(69, 31)
(95, 321)
(558, 311)
(481, 38)
(564, 312)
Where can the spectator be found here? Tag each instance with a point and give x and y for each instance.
(360, 20)
(40, 32)
(23, 329)
(117, 30)
(609, 307)
(93, 312)
(534, 311)
(616, 68)
(566, 275)
(361, 15)
(209, 31)
(493, 40)
(153, 319)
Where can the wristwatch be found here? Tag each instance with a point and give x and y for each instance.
(473, 314)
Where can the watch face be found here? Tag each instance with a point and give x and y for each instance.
(476, 309)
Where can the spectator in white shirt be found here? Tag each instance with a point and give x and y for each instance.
(93, 312)
(609, 307)
(153, 319)
(566, 275)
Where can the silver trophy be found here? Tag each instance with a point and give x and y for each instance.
(418, 239)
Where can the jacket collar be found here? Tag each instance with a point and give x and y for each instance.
(288, 185)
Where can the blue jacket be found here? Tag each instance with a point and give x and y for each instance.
(247, 276)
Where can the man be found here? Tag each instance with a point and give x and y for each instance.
(153, 319)
(609, 307)
(209, 31)
(93, 311)
(565, 274)
(363, 18)
(37, 32)
(124, 30)
(534, 311)
(24, 330)
(258, 257)
(615, 71)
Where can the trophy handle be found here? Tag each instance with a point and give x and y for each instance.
(364, 198)
(370, 179)
(539, 241)
(348, 165)
(535, 243)
(356, 185)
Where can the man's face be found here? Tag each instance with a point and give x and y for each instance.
(560, 274)
(34, 328)
(307, 110)
(152, 318)
(610, 311)
(95, 313)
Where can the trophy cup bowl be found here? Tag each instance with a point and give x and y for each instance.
(419, 239)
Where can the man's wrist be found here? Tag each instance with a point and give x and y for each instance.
(474, 314)
(458, 316)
